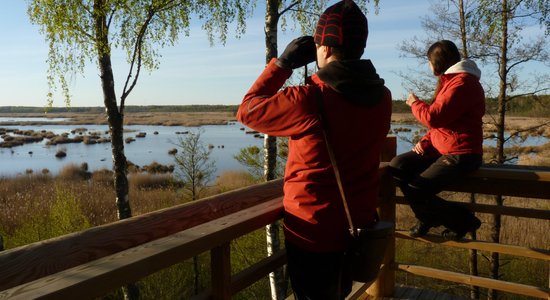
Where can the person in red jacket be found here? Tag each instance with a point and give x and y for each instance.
(357, 109)
(451, 148)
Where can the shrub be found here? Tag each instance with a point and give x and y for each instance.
(74, 172)
(156, 168)
(149, 182)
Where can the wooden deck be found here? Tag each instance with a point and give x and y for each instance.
(412, 293)
(401, 292)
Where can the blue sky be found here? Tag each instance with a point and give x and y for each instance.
(191, 72)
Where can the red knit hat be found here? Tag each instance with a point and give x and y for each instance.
(342, 25)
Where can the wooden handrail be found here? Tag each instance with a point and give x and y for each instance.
(30, 262)
(504, 180)
(95, 278)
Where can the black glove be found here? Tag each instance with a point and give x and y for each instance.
(298, 53)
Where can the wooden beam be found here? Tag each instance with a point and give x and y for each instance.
(27, 263)
(506, 180)
(95, 278)
(384, 284)
(530, 213)
(542, 254)
(510, 287)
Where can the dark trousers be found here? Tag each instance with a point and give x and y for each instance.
(421, 177)
(317, 276)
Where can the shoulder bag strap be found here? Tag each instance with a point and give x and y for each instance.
(333, 159)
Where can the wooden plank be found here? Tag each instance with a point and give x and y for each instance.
(95, 278)
(498, 210)
(542, 254)
(37, 260)
(521, 181)
(358, 291)
(384, 285)
(515, 172)
(501, 186)
(510, 287)
(258, 271)
(220, 271)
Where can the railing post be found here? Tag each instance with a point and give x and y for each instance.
(384, 285)
(220, 269)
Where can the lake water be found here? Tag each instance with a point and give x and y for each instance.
(226, 140)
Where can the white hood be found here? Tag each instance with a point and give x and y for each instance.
(465, 66)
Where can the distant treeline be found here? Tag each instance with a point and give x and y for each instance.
(528, 106)
(129, 108)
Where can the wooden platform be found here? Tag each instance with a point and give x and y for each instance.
(412, 293)
(403, 292)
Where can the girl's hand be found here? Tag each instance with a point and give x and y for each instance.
(411, 99)
(418, 149)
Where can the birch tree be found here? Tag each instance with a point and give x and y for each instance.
(89, 31)
(277, 10)
(81, 32)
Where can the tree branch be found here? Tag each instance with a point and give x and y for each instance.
(136, 56)
(288, 8)
(304, 11)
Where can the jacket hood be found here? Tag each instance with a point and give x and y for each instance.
(357, 80)
(465, 66)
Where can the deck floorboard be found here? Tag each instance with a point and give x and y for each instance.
(414, 293)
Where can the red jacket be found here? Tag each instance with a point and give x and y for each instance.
(455, 116)
(314, 216)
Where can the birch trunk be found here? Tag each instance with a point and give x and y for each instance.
(503, 73)
(115, 120)
(276, 279)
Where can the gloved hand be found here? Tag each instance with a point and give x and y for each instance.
(298, 53)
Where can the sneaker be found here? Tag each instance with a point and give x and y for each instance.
(420, 229)
(453, 235)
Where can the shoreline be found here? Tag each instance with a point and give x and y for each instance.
(130, 118)
(211, 118)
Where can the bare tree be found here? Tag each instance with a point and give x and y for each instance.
(195, 169)
(504, 23)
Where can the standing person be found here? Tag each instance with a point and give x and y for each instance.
(451, 148)
(357, 109)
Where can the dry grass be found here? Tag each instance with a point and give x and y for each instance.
(133, 118)
(231, 180)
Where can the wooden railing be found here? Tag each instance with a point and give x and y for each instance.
(94, 262)
(519, 181)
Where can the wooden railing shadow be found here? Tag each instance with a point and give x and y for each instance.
(94, 262)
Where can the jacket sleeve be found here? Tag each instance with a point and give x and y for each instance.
(448, 106)
(288, 112)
